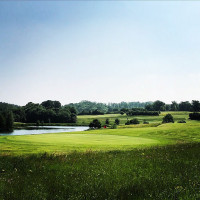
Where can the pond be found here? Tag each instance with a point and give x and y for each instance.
(46, 129)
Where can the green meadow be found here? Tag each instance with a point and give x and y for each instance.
(86, 119)
(145, 161)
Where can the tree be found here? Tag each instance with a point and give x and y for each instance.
(55, 105)
(9, 121)
(185, 106)
(6, 121)
(158, 106)
(117, 121)
(107, 121)
(195, 105)
(194, 116)
(2, 122)
(121, 112)
(149, 107)
(168, 118)
(174, 106)
(95, 124)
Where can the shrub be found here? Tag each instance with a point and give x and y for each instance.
(194, 116)
(117, 121)
(145, 122)
(127, 123)
(134, 121)
(121, 112)
(95, 124)
(181, 121)
(168, 118)
(114, 126)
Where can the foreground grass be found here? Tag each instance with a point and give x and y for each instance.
(170, 172)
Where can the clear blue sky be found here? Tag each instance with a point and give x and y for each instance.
(103, 51)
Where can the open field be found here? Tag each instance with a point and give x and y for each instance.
(86, 119)
(151, 161)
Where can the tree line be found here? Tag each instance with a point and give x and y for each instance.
(194, 106)
(47, 112)
(92, 108)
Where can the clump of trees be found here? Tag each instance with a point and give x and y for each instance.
(174, 106)
(6, 121)
(94, 108)
(168, 118)
(107, 122)
(96, 124)
(194, 116)
(46, 112)
(132, 121)
(89, 108)
(49, 112)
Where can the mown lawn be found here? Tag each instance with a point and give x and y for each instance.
(102, 140)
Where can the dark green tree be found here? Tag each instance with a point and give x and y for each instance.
(107, 121)
(134, 121)
(2, 122)
(196, 106)
(117, 121)
(185, 106)
(95, 124)
(174, 106)
(158, 106)
(168, 118)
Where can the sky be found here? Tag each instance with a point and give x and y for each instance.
(103, 51)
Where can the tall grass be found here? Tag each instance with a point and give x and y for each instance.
(170, 172)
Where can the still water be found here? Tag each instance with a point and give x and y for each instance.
(46, 129)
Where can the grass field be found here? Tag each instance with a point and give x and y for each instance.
(86, 119)
(152, 161)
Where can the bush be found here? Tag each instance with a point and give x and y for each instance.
(127, 123)
(145, 122)
(107, 122)
(95, 124)
(194, 116)
(117, 121)
(121, 112)
(168, 118)
(114, 126)
(181, 121)
(134, 121)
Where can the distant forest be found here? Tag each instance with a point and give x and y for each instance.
(53, 112)
(92, 108)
